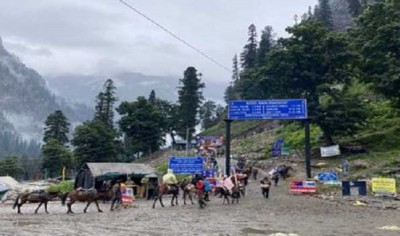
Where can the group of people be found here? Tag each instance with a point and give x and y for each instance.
(202, 185)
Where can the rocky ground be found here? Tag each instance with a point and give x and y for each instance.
(282, 214)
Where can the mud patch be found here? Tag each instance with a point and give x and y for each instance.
(25, 223)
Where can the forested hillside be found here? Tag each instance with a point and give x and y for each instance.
(25, 102)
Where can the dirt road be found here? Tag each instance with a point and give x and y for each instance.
(282, 213)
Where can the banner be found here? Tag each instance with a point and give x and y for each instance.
(300, 186)
(330, 151)
(384, 186)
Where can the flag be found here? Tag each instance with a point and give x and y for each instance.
(300, 186)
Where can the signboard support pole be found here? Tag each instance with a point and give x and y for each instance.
(228, 147)
(307, 147)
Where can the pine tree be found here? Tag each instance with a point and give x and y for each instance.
(94, 142)
(190, 97)
(142, 124)
(266, 44)
(152, 97)
(231, 92)
(57, 127)
(377, 41)
(355, 7)
(207, 114)
(248, 57)
(105, 104)
(323, 13)
(55, 152)
(314, 65)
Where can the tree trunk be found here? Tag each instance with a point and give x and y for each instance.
(327, 137)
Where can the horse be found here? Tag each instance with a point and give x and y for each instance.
(188, 189)
(284, 171)
(89, 196)
(35, 197)
(235, 194)
(164, 189)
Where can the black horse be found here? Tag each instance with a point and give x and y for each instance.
(284, 171)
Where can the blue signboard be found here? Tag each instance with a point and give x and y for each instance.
(290, 109)
(327, 176)
(277, 147)
(186, 165)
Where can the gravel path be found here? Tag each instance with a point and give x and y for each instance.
(282, 214)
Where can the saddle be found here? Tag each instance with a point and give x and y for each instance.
(91, 192)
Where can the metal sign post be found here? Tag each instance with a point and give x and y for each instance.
(228, 147)
(284, 109)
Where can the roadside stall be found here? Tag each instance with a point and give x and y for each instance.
(100, 175)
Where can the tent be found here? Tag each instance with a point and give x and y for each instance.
(93, 174)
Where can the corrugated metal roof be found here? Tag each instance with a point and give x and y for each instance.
(99, 169)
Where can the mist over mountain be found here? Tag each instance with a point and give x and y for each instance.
(83, 88)
(25, 103)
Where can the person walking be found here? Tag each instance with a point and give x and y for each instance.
(116, 188)
(265, 186)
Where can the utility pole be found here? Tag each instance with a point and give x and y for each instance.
(228, 147)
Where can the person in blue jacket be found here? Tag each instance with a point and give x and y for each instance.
(207, 189)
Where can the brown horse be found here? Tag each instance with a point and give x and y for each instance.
(164, 189)
(88, 195)
(35, 197)
(234, 194)
(188, 189)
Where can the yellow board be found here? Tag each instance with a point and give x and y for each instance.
(384, 186)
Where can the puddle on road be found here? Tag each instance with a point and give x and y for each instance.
(268, 232)
(258, 231)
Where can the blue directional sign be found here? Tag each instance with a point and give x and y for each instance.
(186, 165)
(288, 109)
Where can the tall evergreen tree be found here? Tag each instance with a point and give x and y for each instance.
(55, 152)
(94, 142)
(142, 124)
(105, 101)
(355, 7)
(190, 97)
(248, 57)
(266, 44)
(10, 166)
(56, 127)
(314, 65)
(152, 97)
(378, 42)
(231, 92)
(207, 114)
(323, 13)
(55, 157)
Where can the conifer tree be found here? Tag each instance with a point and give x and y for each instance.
(190, 97)
(266, 44)
(323, 13)
(105, 101)
(56, 127)
(248, 57)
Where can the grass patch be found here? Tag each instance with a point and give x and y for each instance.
(63, 187)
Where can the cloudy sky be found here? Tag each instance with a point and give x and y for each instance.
(58, 37)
